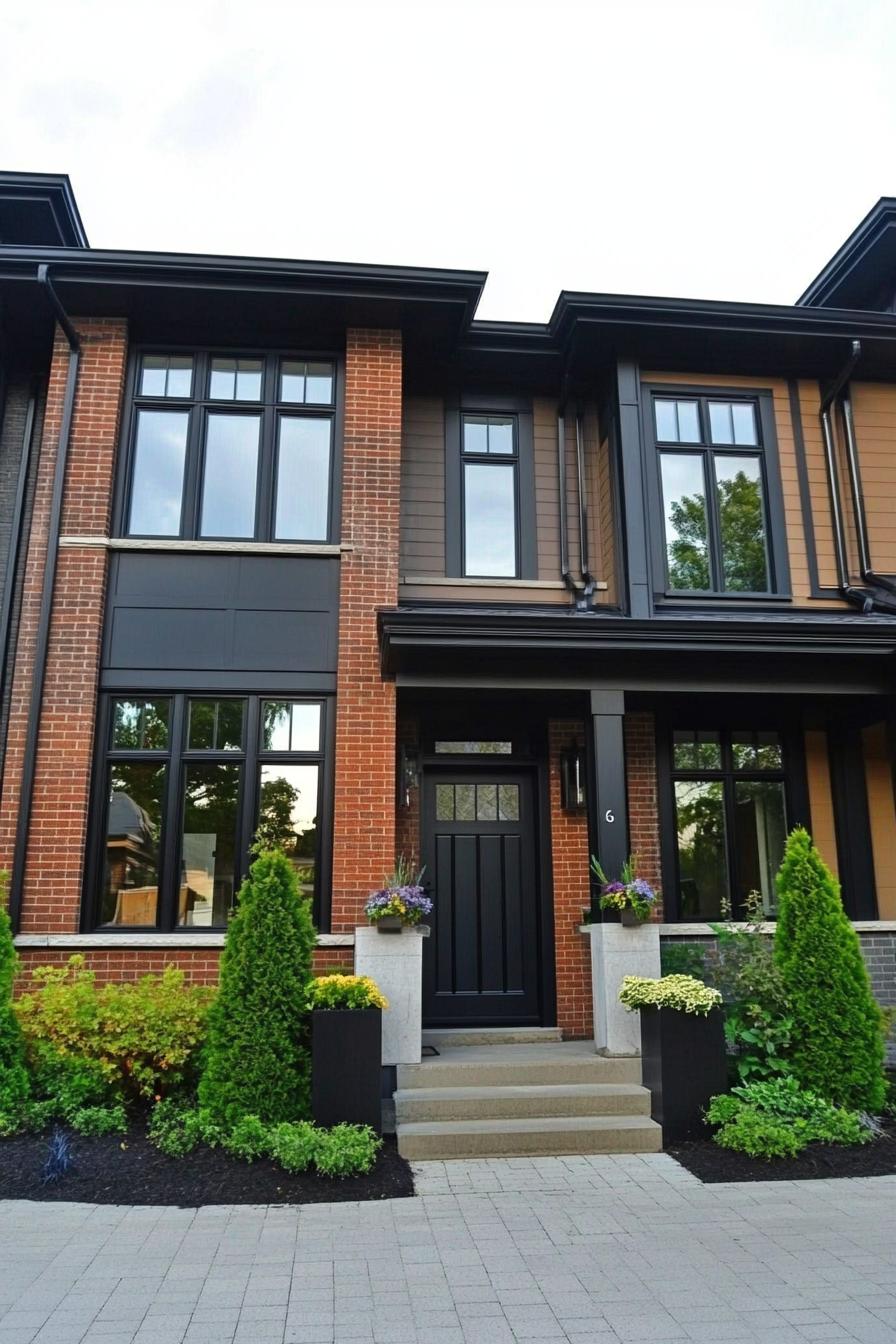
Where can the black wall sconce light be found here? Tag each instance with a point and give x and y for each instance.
(407, 776)
(572, 779)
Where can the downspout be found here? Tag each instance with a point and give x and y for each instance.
(858, 501)
(565, 574)
(15, 546)
(38, 676)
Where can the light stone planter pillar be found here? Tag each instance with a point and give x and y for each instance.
(617, 951)
(395, 962)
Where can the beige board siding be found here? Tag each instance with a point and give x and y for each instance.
(821, 802)
(793, 516)
(874, 413)
(605, 508)
(822, 525)
(882, 815)
(422, 530)
(547, 489)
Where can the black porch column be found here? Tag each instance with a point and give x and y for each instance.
(606, 785)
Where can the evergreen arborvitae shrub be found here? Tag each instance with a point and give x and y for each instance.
(257, 1060)
(837, 1041)
(14, 1085)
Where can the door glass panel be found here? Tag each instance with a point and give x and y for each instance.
(489, 520)
(287, 816)
(133, 827)
(486, 802)
(158, 477)
(739, 493)
(208, 845)
(230, 476)
(303, 479)
(465, 802)
(761, 834)
(508, 802)
(702, 848)
(684, 503)
(444, 802)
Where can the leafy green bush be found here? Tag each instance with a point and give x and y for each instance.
(257, 1060)
(143, 1038)
(295, 1146)
(70, 1082)
(752, 1119)
(96, 1120)
(838, 1047)
(346, 1150)
(174, 1128)
(14, 1084)
(249, 1138)
(758, 1024)
(760, 1135)
(683, 959)
(345, 991)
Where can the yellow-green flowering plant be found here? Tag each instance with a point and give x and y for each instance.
(345, 991)
(682, 993)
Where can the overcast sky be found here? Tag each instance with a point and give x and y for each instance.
(703, 150)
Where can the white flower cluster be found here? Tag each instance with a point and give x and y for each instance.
(682, 993)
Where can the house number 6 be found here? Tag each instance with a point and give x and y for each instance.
(610, 816)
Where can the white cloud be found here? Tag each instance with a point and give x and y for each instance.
(696, 149)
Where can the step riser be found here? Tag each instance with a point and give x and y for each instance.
(514, 1108)
(492, 1036)
(442, 1147)
(595, 1070)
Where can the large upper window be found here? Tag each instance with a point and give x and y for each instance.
(188, 783)
(714, 491)
(231, 447)
(490, 493)
(730, 818)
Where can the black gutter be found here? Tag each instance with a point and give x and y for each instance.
(857, 596)
(565, 573)
(38, 675)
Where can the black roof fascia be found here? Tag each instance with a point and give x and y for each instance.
(857, 269)
(416, 629)
(54, 190)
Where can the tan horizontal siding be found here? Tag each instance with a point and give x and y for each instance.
(821, 803)
(874, 414)
(882, 815)
(422, 526)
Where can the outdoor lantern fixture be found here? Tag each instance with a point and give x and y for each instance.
(407, 774)
(572, 779)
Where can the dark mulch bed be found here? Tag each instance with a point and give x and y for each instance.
(127, 1169)
(712, 1163)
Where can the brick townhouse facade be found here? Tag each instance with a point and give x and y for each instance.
(307, 550)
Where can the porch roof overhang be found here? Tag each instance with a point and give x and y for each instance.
(756, 650)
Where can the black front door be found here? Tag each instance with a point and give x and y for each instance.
(481, 962)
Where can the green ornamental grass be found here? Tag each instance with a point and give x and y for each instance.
(837, 1043)
(257, 1057)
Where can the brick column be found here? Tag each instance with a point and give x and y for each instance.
(54, 867)
(364, 811)
(643, 804)
(569, 856)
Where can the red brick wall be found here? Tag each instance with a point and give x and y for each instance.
(53, 873)
(569, 853)
(364, 812)
(643, 814)
(200, 965)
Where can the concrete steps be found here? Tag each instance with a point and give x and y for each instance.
(515, 1098)
(451, 1036)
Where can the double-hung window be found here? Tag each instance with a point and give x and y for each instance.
(718, 492)
(730, 808)
(231, 447)
(188, 782)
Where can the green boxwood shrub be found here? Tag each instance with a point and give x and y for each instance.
(778, 1118)
(346, 1150)
(257, 1059)
(295, 1146)
(837, 1047)
(249, 1138)
(15, 1088)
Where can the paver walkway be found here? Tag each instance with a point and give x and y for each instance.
(589, 1250)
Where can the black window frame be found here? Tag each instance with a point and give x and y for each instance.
(199, 406)
(177, 756)
(522, 463)
(777, 559)
(726, 723)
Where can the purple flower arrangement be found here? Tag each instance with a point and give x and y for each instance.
(401, 897)
(630, 893)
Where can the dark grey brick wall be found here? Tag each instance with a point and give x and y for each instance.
(879, 951)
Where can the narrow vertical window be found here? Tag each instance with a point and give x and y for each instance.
(490, 468)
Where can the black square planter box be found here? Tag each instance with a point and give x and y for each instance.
(683, 1062)
(346, 1066)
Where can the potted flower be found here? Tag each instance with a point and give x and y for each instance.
(401, 902)
(632, 896)
(683, 1060)
(346, 1050)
